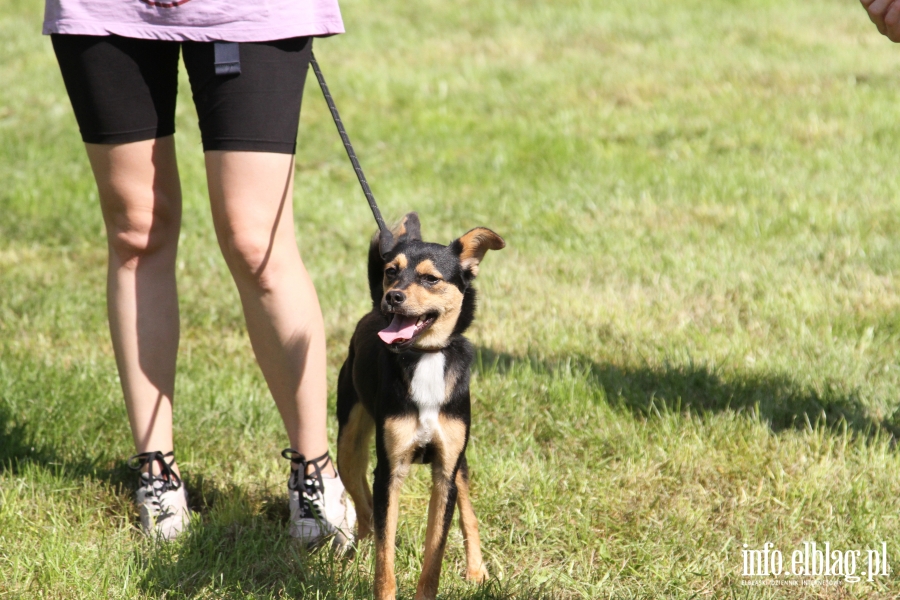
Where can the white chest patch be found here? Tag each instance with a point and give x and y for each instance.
(428, 391)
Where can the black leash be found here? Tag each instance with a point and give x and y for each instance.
(227, 61)
(386, 236)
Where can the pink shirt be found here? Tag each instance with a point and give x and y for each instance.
(196, 20)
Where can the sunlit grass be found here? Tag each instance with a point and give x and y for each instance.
(689, 344)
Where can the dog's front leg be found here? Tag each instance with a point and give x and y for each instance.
(450, 443)
(440, 513)
(475, 569)
(393, 447)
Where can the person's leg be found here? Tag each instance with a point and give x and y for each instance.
(123, 95)
(140, 196)
(248, 124)
(251, 197)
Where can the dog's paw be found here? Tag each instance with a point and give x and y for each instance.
(478, 575)
(363, 532)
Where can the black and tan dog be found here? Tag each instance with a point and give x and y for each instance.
(407, 379)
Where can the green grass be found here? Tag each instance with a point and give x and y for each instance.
(690, 343)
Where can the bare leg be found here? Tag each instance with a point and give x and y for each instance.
(140, 196)
(251, 197)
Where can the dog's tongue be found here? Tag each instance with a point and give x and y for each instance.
(401, 329)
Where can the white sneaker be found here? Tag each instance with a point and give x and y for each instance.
(320, 506)
(161, 499)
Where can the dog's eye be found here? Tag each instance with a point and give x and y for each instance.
(430, 279)
(391, 272)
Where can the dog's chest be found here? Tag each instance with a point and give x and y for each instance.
(428, 391)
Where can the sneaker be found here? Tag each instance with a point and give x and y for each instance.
(320, 506)
(161, 499)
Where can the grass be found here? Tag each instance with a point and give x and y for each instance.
(690, 343)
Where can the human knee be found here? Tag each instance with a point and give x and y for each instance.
(135, 232)
(255, 257)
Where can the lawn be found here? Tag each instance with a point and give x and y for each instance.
(688, 349)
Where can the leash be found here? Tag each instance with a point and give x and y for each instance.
(386, 236)
(227, 61)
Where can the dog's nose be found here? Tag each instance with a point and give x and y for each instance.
(394, 298)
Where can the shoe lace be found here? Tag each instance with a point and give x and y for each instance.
(166, 480)
(308, 485)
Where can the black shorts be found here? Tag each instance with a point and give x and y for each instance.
(123, 90)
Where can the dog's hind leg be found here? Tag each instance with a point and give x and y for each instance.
(353, 463)
(475, 569)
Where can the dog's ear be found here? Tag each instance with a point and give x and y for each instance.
(408, 229)
(472, 247)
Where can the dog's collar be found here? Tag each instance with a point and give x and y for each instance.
(427, 351)
(416, 351)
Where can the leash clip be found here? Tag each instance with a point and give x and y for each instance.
(227, 58)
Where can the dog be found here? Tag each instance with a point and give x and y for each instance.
(406, 378)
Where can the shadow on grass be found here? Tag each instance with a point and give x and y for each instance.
(18, 449)
(778, 400)
(16, 443)
(239, 548)
(256, 557)
(250, 556)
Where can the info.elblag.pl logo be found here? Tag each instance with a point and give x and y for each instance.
(815, 560)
